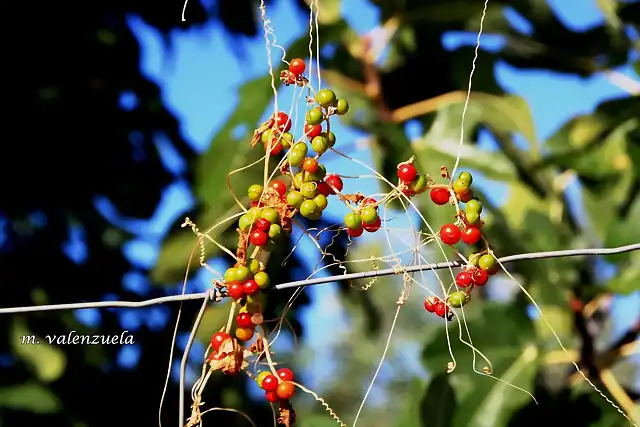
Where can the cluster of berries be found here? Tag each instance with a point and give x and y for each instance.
(277, 388)
(410, 182)
(364, 218)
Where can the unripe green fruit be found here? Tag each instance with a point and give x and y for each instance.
(270, 215)
(460, 187)
(300, 147)
(331, 137)
(319, 174)
(245, 222)
(230, 275)
(321, 201)
(466, 178)
(255, 192)
(254, 266)
(474, 258)
(262, 279)
(353, 221)
(242, 273)
(298, 180)
(314, 116)
(286, 140)
(419, 184)
(295, 158)
(316, 215)
(266, 136)
(369, 214)
(308, 209)
(457, 299)
(472, 216)
(487, 262)
(295, 199)
(309, 190)
(342, 107)
(326, 98)
(320, 144)
(473, 205)
(274, 231)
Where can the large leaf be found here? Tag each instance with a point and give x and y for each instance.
(47, 361)
(29, 397)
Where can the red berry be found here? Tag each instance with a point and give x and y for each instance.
(256, 204)
(310, 165)
(334, 182)
(279, 186)
(450, 234)
(312, 130)
(283, 122)
(243, 320)
(324, 189)
(355, 233)
(372, 228)
(286, 390)
(479, 277)
(440, 196)
(463, 279)
(430, 303)
(235, 291)
(270, 383)
(466, 196)
(369, 201)
(271, 396)
(218, 338)
(262, 224)
(407, 172)
(217, 356)
(471, 235)
(440, 309)
(250, 287)
(297, 66)
(276, 148)
(258, 238)
(285, 374)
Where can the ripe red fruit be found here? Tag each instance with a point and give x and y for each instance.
(262, 224)
(372, 228)
(407, 172)
(355, 233)
(297, 66)
(430, 303)
(283, 122)
(279, 186)
(258, 238)
(286, 390)
(463, 279)
(218, 338)
(324, 189)
(235, 291)
(369, 201)
(479, 277)
(439, 196)
(334, 182)
(441, 309)
(471, 235)
(450, 234)
(312, 130)
(310, 165)
(276, 148)
(271, 396)
(270, 383)
(285, 374)
(243, 320)
(256, 204)
(250, 287)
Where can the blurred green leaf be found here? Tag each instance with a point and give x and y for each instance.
(628, 279)
(29, 397)
(438, 405)
(609, 9)
(47, 361)
(329, 10)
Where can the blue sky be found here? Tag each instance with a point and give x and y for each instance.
(199, 78)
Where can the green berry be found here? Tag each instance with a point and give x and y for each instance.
(342, 107)
(314, 116)
(245, 222)
(487, 262)
(286, 140)
(262, 279)
(270, 215)
(460, 186)
(466, 178)
(319, 174)
(353, 221)
(473, 258)
(309, 190)
(473, 205)
(419, 184)
(369, 214)
(255, 192)
(254, 266)
(298, 180)
(295, 199)
(457, 299)
(320, 144)
(229, 275)
(274, 231)
(321, 201)
(326, 98)
(295, 158)
(472, 216)
(266, 136)
(309, 208)
(242, 273)
(331, 137)
(300, 147)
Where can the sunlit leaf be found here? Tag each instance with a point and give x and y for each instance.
(47, 361)
(29, 397)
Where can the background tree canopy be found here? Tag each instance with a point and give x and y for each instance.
(83, 163)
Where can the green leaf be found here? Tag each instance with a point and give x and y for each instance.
(627, 280)
(45, 360)
(438, 406)
(609, 9)
(329, 11)
(29, 397)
